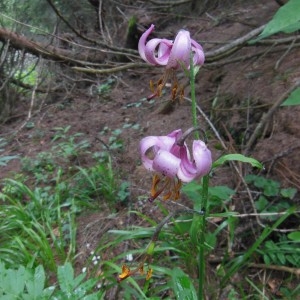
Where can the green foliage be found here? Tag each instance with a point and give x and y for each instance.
(99, 183)
(294, 236)
(24, 283)
(182, 285)
(71, 287)
(28, 76)
(4, 159)
(80, 187)
(293, 99)
(41, 167)
(237, 263)
(30, 284)
(286, 19)
(69, 145)
(237, 157)
(103, 88)
(217, 195)
(283, 252)
(35, 230)
(114, 140)
(284, 249)
(173, 240)
(272, 199)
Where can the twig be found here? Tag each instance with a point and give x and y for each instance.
(32, 100)
(233, 46)
(281, 154)
(211, 125)
(295, 271)
(266, 117)
(213, 64)
(173, 3)
(284, 54)
(111, 70)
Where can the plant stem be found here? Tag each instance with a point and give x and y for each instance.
(193, 96)
(202, 228)
(199, 223)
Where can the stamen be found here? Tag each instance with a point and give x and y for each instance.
(159, 89)
(149, 273)
(151, 86)
(125, 273)
(181, 96)
(174, 91)
(154, 192)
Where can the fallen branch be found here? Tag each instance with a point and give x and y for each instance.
(295, 271)
(110, 70)
(232, 47)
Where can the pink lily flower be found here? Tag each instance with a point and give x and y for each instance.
(172, 55)
(173, 162)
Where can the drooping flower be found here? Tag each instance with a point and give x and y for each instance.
(172, 55)
(170, 159)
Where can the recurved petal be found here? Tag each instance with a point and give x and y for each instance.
(166, 163)
(202, 158)
(142, 42)
(157, 51)
(181, 49)
(199, 56)
(201, 164)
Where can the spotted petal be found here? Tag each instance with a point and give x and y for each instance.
(166, 163)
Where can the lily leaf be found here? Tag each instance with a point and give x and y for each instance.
(237, 157)
(182, 285)
(293, 99)
(286, 19)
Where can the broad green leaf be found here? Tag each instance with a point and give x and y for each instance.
(288, 193)
(17, 279)
(281, 258)
(294, 97)
(65, 276)
(221, 192)
(261, 203)
(182, 285)
(237, 157)
(36, 284)
(272, 188)
(294, 236)
(286, 19)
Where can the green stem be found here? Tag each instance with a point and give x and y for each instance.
(193, 96)
(198, 226)
(202, 229)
